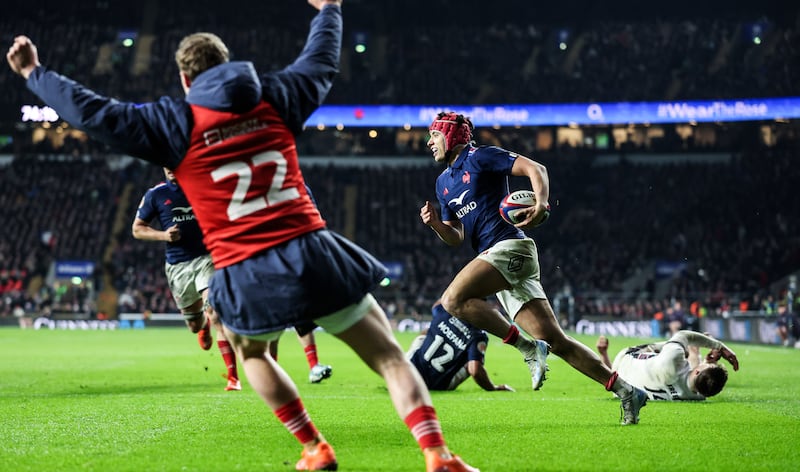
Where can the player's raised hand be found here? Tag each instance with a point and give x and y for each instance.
(602, 344)
(23, 56)
(318, 4)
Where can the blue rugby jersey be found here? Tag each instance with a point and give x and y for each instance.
(470, 190)
(449, 344)
(167, 202)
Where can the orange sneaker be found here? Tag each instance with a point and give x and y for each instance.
(434, 462)
(204, 337)
(233, 384)
(321, 459)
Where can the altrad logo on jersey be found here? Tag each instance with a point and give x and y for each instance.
(181, 214)
(466, 209)
(459, 200)
(182, 218)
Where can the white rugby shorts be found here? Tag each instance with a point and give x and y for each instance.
(188, 279)
(518, 261)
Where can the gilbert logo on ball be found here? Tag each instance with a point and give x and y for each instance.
(515, 202)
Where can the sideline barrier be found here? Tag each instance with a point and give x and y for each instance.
(743, 329)
(75, 325)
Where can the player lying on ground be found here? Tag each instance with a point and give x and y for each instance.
(672, 369)
(449, 352)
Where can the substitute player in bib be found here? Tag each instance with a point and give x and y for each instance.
(451, 351)
(672, 369)
(469, 191)
(231, 144)
(188, 264)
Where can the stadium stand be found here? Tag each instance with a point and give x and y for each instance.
(726, 230)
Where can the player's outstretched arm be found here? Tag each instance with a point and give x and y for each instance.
(729, 356)
(718, 348)
(481, 377)
(127, 127)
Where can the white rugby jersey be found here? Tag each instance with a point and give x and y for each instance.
(663, 375)
(662, 369)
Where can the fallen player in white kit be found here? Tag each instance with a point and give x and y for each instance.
(672, 369)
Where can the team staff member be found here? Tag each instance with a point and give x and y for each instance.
(231, 144)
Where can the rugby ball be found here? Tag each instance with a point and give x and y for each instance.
(514, 202)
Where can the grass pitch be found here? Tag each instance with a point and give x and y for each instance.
(150, 399)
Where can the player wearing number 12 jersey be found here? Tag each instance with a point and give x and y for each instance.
(231, 145)
(451, 351)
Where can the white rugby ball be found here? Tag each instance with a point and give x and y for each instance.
(515, 202)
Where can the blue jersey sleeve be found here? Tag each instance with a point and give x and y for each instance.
(495, 159)
(157, 132)
(446, 213)
(147, 210)
(475, 353)
(299, 89)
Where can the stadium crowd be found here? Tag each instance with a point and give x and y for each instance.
(536, 57)
(52, 207)
(726, 230)
(727, 227)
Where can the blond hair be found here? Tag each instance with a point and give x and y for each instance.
(199, 52)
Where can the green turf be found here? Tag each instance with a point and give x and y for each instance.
(152, 400)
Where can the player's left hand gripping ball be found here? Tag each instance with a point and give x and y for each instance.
(513, 204)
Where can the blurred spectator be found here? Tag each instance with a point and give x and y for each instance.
(788, 325)
(592, 55)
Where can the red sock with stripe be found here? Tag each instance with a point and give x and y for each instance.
(617, 385)
(294, 416)
(425, 427)
(611, 380)
(228, 356)
(311, 355)
(512, 336)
